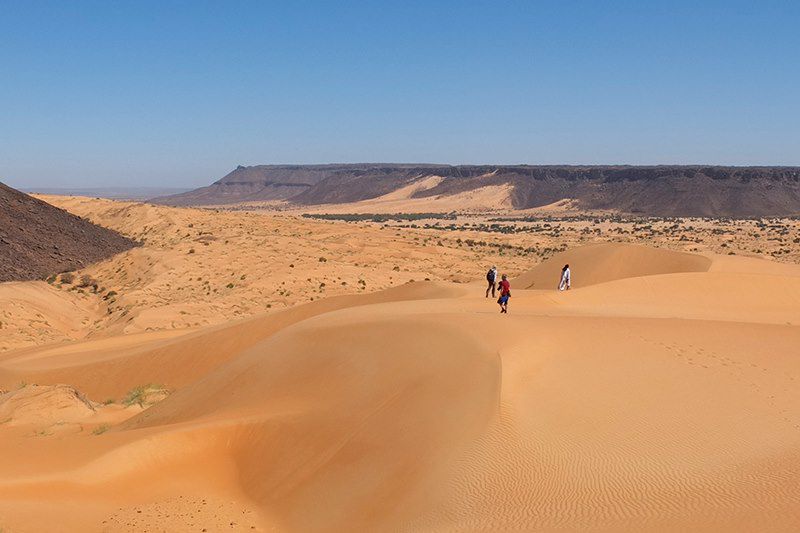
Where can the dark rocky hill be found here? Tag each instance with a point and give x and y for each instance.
(38, 239)
(650, 190)
(282, 182)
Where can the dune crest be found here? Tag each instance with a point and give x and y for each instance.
(600, 263)
(44, 405)
(616, 406)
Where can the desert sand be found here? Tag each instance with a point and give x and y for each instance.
(659, 394)
(201, 267)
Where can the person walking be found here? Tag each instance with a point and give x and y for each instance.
(564, 283)
(491, 277)
(505, 294)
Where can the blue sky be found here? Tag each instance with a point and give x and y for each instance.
(179, 93)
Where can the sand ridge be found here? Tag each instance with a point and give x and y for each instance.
(645, 399)
(201, 267)
(482, 199)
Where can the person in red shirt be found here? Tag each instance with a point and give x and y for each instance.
(505, 294)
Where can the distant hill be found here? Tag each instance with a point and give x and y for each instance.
(38, 239)
(649, 190)
(302, 183)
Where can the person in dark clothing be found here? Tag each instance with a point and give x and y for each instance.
(491, 277)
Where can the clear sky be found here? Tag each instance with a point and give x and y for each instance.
(179, 93)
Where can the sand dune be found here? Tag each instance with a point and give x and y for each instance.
(658, 395)
(604, 262)
(203, 267)
(482, 199)
(35, 312)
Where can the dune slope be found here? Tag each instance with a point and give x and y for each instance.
(599, 263)
(629, 403)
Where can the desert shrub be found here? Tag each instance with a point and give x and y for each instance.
(87, 281)
(135, 396)
(139, 395)
(102, 428)
(67, 277)
(368, 217)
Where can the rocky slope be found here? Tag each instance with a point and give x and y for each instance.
(305, 183)
(38, 239)
(652, 190)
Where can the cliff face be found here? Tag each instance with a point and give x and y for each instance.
(283, 182)
(657, 191)
(654, 190)
(37, 239)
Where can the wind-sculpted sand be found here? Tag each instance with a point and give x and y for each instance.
(489, 198)
(203, 267)
(660, 394)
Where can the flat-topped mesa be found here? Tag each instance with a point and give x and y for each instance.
(649, 190)
(38, 239)
(264, 183)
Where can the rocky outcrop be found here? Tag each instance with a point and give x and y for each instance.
(649, 190)
(38, 239)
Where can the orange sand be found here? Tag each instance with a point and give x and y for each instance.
(660, 394)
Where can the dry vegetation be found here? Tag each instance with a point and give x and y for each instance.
(206, 266)
(658, 395)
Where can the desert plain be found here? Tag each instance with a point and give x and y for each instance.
(262, 368)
